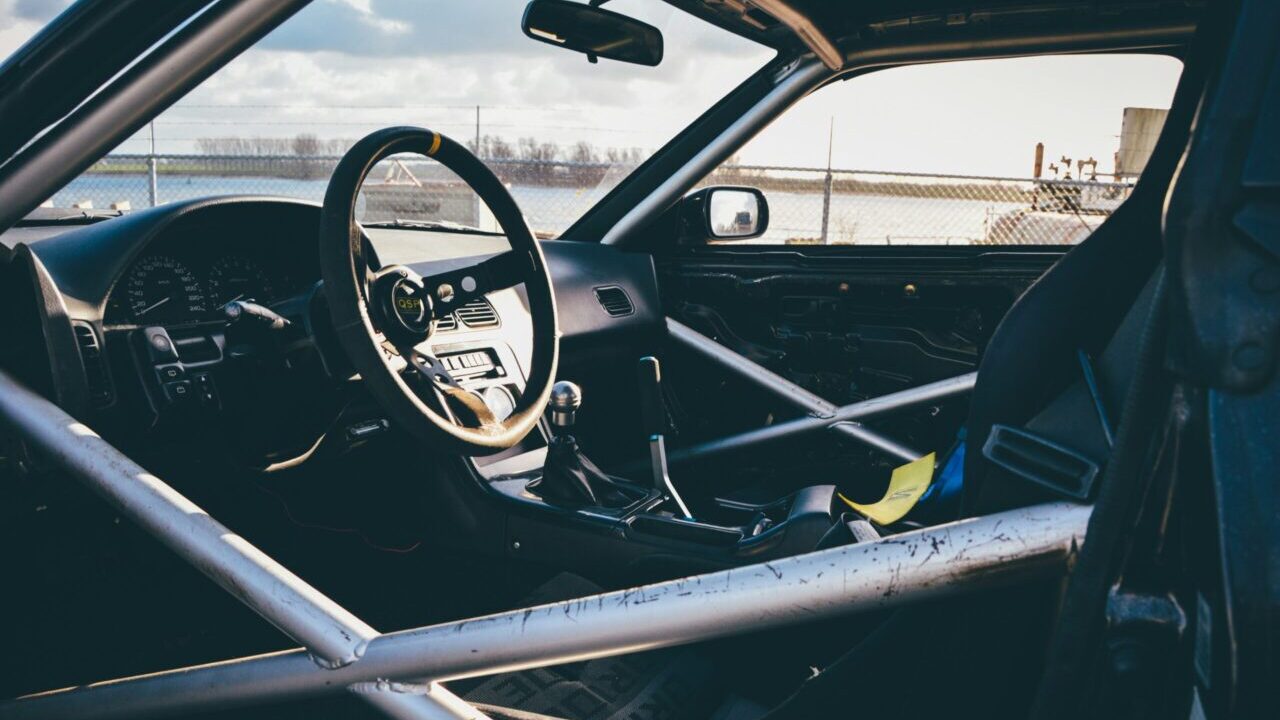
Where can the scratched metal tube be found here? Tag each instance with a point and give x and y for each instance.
(1009, 547)
(783, 389)
(333, 635)
(837, 421)
(299, 610)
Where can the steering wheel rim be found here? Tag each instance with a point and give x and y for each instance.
(365, 321)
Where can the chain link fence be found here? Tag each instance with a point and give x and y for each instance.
(806, 205)
(861, 207)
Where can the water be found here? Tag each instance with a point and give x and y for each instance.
(861, 218)
(550, 209)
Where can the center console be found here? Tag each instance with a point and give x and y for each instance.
(563, 509)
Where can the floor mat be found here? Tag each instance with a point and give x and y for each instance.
(674, 684)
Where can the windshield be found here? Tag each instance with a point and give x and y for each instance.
(558, 130)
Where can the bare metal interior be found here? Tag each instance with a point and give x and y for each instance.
(398, 672)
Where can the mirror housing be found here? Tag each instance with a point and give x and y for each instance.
(597, 32)
(724, 212)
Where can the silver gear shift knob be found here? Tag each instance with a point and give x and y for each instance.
(566, 398)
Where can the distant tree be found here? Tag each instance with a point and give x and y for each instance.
(532, 150)
(306, 145)
(337, 146)
(524, 160)
(492, 148)
(251, 146)
(583, 152)
(624, 156)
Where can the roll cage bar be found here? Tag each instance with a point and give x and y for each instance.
(400, 673)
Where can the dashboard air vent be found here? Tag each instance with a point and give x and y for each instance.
(95, 366)
(615, 301)
(478, 313)
(447, 323)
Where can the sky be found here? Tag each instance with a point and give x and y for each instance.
(342, 68)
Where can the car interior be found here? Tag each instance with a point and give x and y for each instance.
(430, 424)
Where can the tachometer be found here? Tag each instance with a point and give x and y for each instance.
(236, 277)
(162, 290)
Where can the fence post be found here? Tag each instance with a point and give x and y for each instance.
(826, 186)
(151, 165)
(826, 206)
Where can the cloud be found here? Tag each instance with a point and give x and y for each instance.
(435, 28)
(341, 68)
(39, 10)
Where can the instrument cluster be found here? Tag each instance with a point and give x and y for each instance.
(168, 288)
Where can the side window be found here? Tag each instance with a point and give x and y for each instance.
(1026, 151)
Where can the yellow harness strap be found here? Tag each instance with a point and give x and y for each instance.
(906, 486)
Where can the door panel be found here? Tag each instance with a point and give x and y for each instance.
(844, 323)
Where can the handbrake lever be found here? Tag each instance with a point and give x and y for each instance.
(654, 414)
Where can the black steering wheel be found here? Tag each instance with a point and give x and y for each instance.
(383, 316)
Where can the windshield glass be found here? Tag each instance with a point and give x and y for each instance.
(559, 130)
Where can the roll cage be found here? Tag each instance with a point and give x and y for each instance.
(399, 673)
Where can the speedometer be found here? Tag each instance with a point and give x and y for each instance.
(236, 277)
(161, 290)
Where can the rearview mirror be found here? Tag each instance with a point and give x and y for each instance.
(591, 30)
(725, 213)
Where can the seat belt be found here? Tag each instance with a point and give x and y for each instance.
(1061, 451)
(850, 529)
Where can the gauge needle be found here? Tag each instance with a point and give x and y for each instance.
(153, 306)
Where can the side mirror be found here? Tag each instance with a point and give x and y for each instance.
(591, 30)
(725, 213)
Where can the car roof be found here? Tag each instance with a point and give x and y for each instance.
(863, 18)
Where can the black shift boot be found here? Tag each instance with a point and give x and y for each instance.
(569, 478)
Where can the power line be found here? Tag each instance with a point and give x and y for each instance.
(352, 123)
(285, 138)
(372, 107)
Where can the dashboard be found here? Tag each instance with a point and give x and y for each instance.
(188, 276)
(106, 293)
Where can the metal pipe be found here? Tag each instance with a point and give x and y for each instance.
(752, 372)
(790, 88)
(805, 29)
(661, 478)
(282, 598)
(333, 637)
(939, 390)
(416, 701)
(783, 389)
(1009, 547)
(883, 443)
(181, 62)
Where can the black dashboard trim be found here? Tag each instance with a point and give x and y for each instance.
(76, 272)
(66, 368)
(111, 247)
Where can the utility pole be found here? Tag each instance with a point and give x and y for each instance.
(477, 131)
(826, 186)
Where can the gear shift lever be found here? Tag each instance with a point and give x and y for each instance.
(566, 398)
(569, 478)
(654, 413)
